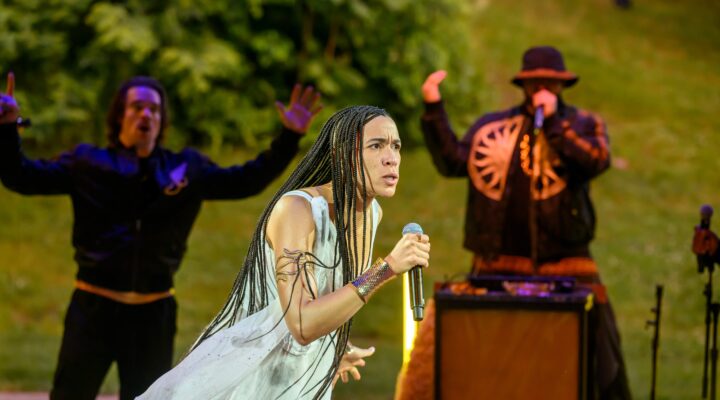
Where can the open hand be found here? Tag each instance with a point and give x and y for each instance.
(9, 110)
(431, 86)
(304, 106)
(350, 362)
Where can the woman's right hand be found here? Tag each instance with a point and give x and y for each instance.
(412, 250)
(9, 110)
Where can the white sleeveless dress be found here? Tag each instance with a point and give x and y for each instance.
(257, 358)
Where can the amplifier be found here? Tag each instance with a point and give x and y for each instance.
(498, 345)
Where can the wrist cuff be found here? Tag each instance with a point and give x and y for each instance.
(372, 279)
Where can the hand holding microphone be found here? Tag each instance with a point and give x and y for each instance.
(545, 103)
(412, 253)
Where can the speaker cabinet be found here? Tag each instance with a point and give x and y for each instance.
(499, 346)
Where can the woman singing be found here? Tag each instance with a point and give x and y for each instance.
(283, 332)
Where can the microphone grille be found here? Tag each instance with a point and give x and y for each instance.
(706, 211)
(412, 228)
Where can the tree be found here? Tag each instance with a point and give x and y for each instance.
(225, 62)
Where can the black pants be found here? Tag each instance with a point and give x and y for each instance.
(611, 374)
(99, 331)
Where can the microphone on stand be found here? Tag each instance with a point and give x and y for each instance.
(417, 299)
(711, 309)
(706, 213)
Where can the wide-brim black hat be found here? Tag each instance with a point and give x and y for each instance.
(544, 62)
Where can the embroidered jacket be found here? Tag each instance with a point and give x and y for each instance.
(513, 174)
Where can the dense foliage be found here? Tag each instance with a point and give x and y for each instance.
(225, 62)
(650, 71)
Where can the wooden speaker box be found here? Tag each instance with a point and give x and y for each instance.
(502, 346)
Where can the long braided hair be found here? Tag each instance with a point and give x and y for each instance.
(335, 156)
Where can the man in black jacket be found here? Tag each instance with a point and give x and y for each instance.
(134, 204)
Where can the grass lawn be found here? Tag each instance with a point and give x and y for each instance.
(651, 72)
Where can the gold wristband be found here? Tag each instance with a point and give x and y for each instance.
(373, 278)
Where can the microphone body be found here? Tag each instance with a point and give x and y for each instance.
(415, 279)
(539, 118)
(706, 213)
(24, 122)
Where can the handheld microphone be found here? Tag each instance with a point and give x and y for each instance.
(539, 118)
(23, 122)
(417, 299)
(706, 213)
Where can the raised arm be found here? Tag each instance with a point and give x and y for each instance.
(253, 176)
(9, 110)
(448, 154)
(17, 172)
(291, 233)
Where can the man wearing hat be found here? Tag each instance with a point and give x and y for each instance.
(529, 169)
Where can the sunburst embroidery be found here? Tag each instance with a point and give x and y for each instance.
(492, 149)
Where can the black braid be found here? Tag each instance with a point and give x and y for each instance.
(335, 156)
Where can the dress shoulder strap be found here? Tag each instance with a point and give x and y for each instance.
(300, 193)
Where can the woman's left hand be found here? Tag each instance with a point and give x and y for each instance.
(352, 359)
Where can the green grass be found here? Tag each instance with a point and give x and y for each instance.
(651, 72)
